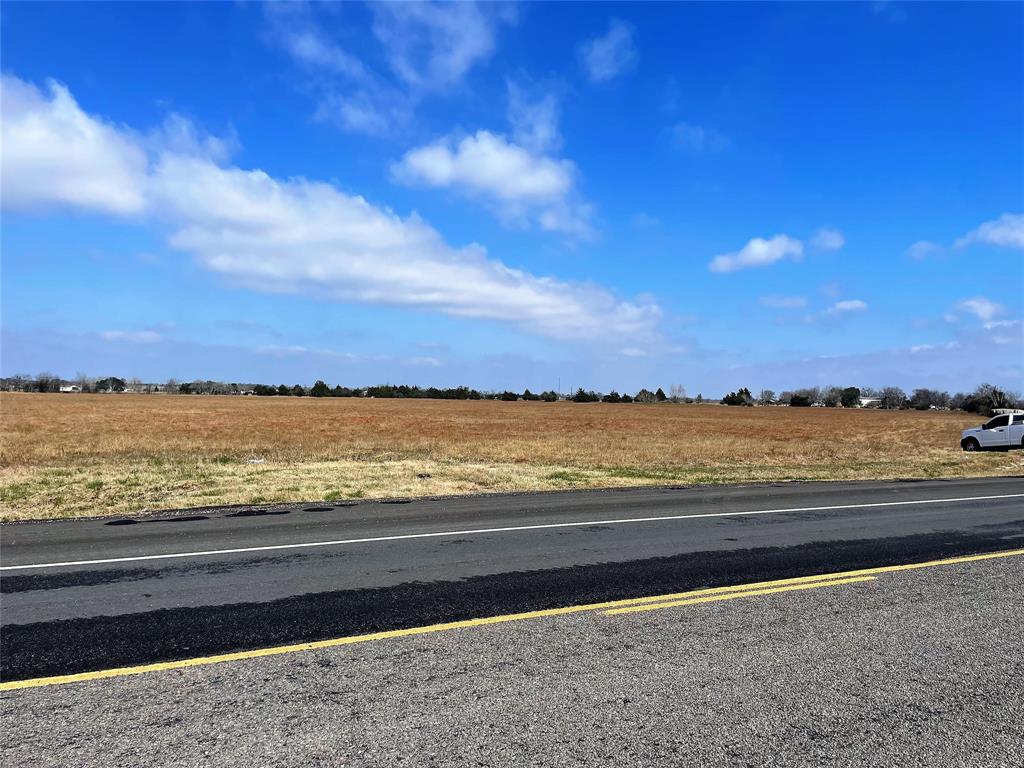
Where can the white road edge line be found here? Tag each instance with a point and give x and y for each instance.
(510, 529)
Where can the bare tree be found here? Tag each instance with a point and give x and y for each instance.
(831, 396)
(766, 397)
(893, 398)
(47, 382)
(677, 393)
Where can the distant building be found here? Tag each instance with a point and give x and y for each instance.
(70, 388)
(867, 402)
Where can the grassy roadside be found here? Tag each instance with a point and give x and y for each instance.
(102, 488)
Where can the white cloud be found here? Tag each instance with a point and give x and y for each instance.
(53, 153)
(534, 118)
(428, 47)
(309, 237)
(758, 252)
(604, 58)
(1005, 331)
(520, 184)
(489, 163)
(783, 302)
(433, 45)
(1006, 231)
(918, 348)
(981, 307)
(179, 135)
(308, 46)
(375, 111)
(1001, 324)
(828, 239)
(140, 337)
(922, 249)
(697, 138)
(847, 305)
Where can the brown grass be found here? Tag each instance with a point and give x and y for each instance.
(68, 455)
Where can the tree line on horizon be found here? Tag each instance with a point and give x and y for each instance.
(984, 399)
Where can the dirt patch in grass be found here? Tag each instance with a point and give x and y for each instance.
(76, 455)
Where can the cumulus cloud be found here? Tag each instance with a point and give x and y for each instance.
(302, 236)
(1007, 231)
(828, 239)
(980, 307)
(520, 184)
(847, 305)
(608, 56)
(783, 302)
(53, 153)
(697, 138)
(758, 252)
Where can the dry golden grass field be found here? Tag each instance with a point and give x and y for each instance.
(74, 455)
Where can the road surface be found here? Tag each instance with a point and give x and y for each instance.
(837, 652)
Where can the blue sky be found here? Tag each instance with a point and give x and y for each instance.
(504, 196)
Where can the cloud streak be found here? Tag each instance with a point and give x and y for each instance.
(846, 306)
(296, 235)
(980, 307)
(758, 252)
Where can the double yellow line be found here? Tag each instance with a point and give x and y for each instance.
(614, 607)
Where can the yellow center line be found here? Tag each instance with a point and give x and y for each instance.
(700, 595)
(734, 595)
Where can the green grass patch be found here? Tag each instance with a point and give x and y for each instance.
(566, 476)
(15, 492)
(632, 473)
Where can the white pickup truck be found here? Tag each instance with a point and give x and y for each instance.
(1002, 431)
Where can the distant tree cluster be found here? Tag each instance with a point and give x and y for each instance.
(741, 396)
(983, 400)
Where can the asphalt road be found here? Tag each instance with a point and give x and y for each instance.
(917, 667)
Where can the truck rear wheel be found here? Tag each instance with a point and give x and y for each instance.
(970, 444)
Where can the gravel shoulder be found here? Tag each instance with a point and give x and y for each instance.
(915, 668)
